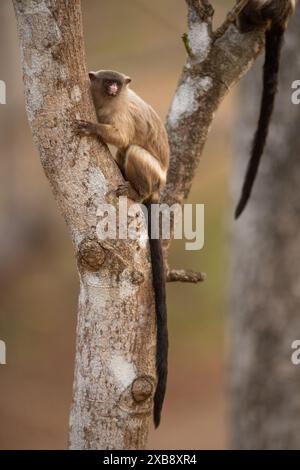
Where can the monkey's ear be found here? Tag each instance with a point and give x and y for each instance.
(127, 80)
(92, 76)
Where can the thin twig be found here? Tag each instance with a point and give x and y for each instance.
(202, 8)
(185, 40)
(181, 275)
(230, 18)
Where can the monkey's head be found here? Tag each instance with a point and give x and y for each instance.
(108, 84)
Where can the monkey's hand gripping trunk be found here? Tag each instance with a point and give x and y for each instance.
(162, 343)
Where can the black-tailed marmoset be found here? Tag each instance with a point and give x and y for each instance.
(273, 15)
(131, 125)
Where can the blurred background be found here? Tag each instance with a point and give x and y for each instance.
(38, 278)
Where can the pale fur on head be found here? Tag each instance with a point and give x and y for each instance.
(101, 82)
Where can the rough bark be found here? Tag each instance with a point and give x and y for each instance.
(114, 372)
(265, 274)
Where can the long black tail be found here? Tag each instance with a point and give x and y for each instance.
(159, 286)
(274, 42)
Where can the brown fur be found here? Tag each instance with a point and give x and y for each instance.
(126, 120)
(266, 13)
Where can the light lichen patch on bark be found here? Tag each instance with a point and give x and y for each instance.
(199, 40)
(184, 102)
(122, 370)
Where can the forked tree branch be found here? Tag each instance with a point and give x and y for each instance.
(231, 18)
(213, 66)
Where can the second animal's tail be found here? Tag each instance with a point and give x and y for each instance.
(159, 286)
(274, 42)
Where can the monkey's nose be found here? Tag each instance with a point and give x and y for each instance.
(113, 89)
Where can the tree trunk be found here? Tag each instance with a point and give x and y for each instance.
(115, 355)
(265, 276)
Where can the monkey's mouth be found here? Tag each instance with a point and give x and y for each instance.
(113, 89)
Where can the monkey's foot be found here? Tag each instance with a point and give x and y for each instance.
(86, 128)
(127, 190)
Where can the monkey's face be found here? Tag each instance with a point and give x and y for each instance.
(112, 87)
(108, 83)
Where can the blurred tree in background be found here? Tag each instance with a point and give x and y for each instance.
(265, 274)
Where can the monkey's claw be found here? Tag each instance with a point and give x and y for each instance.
(123, 189)
(127, 190)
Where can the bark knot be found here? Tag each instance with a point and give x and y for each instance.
(137, 277)
(141, 389)
(91, 254)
